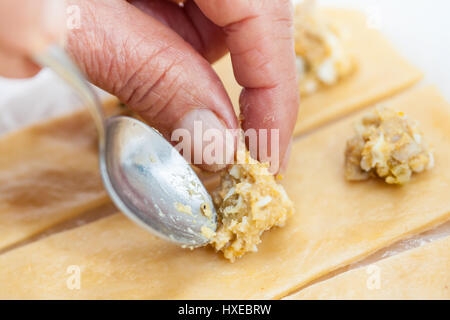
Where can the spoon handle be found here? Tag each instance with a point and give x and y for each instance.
(57, 59)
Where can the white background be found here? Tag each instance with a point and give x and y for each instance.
(418, 28)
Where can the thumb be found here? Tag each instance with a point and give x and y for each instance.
(154, 71)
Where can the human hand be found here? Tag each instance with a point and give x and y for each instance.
(155, 56)
(27, 27)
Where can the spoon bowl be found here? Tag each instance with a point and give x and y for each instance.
(153, 184)
(147, 179)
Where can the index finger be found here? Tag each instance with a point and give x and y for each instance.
(259, 35)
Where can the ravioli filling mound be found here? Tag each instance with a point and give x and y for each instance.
(248, 202)
(321, 57)
(389, 145)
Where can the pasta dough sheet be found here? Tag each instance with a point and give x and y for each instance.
(48, 174)
(381, 72)
(421, 273)
(336, 223)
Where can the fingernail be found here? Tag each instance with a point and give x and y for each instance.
(212, 149)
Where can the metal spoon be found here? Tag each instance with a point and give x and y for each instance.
(145, 176)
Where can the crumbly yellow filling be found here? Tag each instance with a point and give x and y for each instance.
(321, 57)
(389, 145)
(248, 202)
(183, 208)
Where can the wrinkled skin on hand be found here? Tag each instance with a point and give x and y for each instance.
(156, 57)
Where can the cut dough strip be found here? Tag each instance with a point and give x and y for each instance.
(421, 273)
(49, 174)
(381, 72)
(336, 223)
